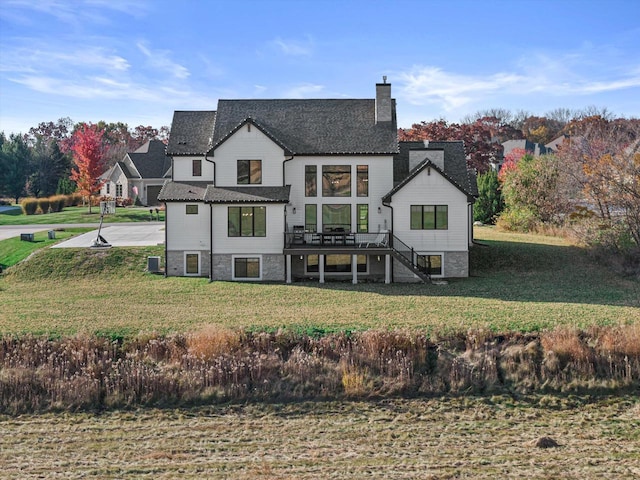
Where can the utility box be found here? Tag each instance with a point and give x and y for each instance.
(26, 237)
(52, 234)
(153, 264)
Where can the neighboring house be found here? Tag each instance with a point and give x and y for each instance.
(535, 149)
(280, 190)
(146, 169)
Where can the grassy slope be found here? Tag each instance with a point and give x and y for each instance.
(14, 250)
(78, 215)
(519, 282)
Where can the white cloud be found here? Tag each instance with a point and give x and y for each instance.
(422, 85)
(75, 13)
(38, 57)
(294, 47)
(304, 90)
(160, 60)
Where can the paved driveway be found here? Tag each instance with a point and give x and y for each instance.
(129, 235)
(117, 234)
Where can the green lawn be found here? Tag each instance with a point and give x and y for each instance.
(518, 282)
(79, 215)
(14, 250)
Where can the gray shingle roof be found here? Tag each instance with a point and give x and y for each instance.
(127, 172)
(455, 166)
(312, 127)
(182, 191)
(191, 132)
(247, 194)
(151, 160)
(205, 192)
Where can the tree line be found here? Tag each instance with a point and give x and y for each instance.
(47, 160)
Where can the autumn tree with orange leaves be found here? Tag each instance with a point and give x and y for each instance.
(88, 155)
(602, 161)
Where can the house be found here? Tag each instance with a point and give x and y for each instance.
(141, 173)
(281, 190)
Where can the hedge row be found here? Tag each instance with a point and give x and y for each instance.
(56, 203)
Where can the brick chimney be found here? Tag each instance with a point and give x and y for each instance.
(383, 101)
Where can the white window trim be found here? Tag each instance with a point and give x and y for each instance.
(442, 255)
(245, 279)
(184, 262)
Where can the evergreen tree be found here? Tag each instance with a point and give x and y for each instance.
(14, 166)
(489, 203)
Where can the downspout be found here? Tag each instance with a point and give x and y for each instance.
(166, 239)
(284, 236)
(211, 222)
(284, 183)
(211, 242)
(391, 235)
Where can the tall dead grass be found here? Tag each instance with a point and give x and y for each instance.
(213, 365)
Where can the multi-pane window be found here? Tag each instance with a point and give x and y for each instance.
(336, 264)
(118, 190)
(249, 172)
(429, 217)
(192, 264)
(362, 181)
(336, 217)
(196, 167)
(336, 180)
(311, 217)
(108, 184)
(432, 264)
(192, 209)
(247, 222)
(363, 218)
(310, 181)
(246, 267)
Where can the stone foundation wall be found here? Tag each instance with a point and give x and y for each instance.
(175, 263)
(456, 265)
(272, 267)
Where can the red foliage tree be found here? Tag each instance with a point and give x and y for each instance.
(88, 156)
(511, 162)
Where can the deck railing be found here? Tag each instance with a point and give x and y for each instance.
(336, 240)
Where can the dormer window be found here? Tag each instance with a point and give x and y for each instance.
(249, 172)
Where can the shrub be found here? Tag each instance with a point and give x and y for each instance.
(74, 200)
(58, 202)
(29, 206)
(517, 220)
(44, 205)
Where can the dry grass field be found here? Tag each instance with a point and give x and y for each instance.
(444, 438)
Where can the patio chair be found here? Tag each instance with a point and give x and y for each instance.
(381, 240)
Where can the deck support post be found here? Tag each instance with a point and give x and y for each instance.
(321, 267)
(387, 268)
(354, 269)
(288, 267)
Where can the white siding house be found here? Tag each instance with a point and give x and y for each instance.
(283, 190)
(140, 174)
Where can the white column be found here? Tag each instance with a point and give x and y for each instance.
(387, 269)
(288, 267)
(354, 269)
(321, 267)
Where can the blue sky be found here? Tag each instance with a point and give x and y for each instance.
(137, 61)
